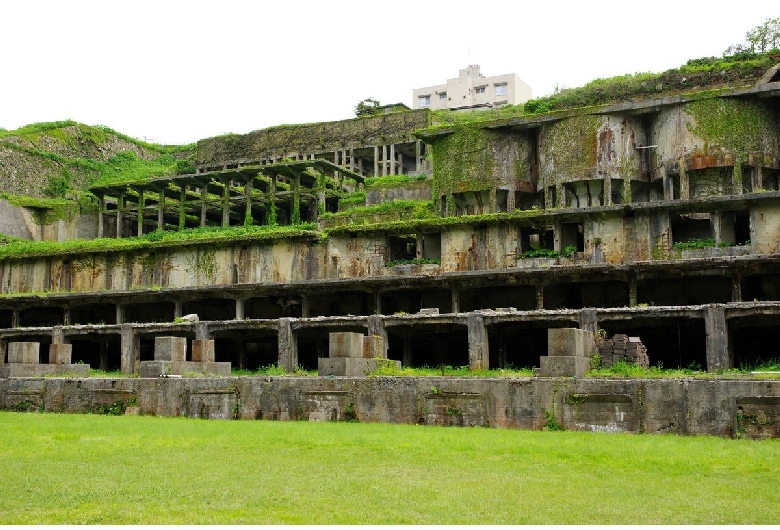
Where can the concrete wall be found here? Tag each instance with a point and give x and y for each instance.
(674, 406)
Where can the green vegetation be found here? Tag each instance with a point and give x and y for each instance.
(395, 181)
(274, 370)
(21, 249)
(386, 368)
(136, 469)
(399, 209)
(626, 369)
(415, 261)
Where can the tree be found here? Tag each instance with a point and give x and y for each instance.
(367, 107)
(761, 39)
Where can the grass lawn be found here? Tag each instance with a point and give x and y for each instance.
(90, 469)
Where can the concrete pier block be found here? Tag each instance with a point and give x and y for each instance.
(170, 349)
(569, 342)
(563, 366)
(345, 345)
(203, 351)
(60, 353)
(24, 352)
(373, 346)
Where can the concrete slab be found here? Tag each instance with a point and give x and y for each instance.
(345, 345)
(161, 368)
(560, 366)
(60, 353)
(569, 342)
(24, 352)
(43, 370)
(170, 348)
(203, 350)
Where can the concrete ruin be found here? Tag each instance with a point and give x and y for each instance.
(574, 219)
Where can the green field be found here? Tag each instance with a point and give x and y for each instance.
(90, 469)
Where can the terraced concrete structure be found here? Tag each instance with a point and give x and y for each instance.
(607, 190)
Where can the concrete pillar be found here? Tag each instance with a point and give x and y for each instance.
(240, 309)
(478, 342)
(66, 316)
(226, 203)
(719, 355)
(560, 194)
(161, 210)
(607, 191)
(418, 159)
(182, 203)
(685, 187)
(130, 349)
(632, 291)
(377, 303)
(101, 211)
(241, 354)
(177, 309)
(736, 286)
(418, 240)
(288, 345)
(376, 326)
(589, 321)
(510, 200)
(120, 214)
(376, 161)
(455, 300)
(493, 200)
(758, 178)
(557, 236)
(57, 335)
(15, 318)
(540, 297)
(384, 160)
(141, 205)
(3, 349)
(202, 331)
(392, 160)
(305, 306)
(248, 221)
(406, 360)
(103, 356)
(203, 195)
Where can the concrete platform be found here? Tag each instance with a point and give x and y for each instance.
(42, 370)
(160, 368)
(563, 366)
(348, 366)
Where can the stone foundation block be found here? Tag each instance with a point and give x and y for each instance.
(345, 366)
(41, 370)
(60, 353)
(373, 346)
(170, 348)
(345, 345)
(162, 368)
(203, 351)
(24, 352)
(560, 366)
(569, 342)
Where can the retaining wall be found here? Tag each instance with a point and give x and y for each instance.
(747, 407)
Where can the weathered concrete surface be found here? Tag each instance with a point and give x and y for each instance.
(24, 352)
(60, 353)
(41, 370)
(347, 366)
(163, 368)
(170, 349)
(681, 406)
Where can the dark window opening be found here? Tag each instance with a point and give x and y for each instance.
(691, 227)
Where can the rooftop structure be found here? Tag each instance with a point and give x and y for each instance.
(472, 90)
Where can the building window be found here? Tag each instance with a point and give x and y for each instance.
(480, 90)
(442, 95)
(424, 101)
(501, 90)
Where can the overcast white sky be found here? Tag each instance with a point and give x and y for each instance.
(174, 72)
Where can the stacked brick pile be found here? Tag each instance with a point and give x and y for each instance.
(623, 348)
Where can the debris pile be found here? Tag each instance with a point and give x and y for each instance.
(623, 348)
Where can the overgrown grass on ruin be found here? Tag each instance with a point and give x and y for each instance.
(764, 369)
(90, 469)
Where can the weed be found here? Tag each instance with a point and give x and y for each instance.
(551, 424)
(349, 412)
(116, 408)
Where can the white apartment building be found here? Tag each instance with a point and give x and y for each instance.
(472, 90)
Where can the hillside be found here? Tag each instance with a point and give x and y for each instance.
(61, 159)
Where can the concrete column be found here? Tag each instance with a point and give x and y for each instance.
(203, 195)
(182, 203)
(66, 316)
(685, 187)
(719, 355)
(226, 203)
(305, 306)
(418, 159)
(392, 159)
(589, 321)
(130, 347)
(101, 211)
(557, 236)
(57, 335)
(202, 331)
(510, 200)
(161, 210)
(248, 203)
(295, 215)
(758, 178)
(103, 356)
(560, 194)
(376, 161)
(632, 292)
(240, 309)
(455, 300)
(288, 345)
(377, 303)
(120, 314)
(736, 286)
(376, 326)
(418, 240)
(384, 160)
(3, 350)
(406, 360)
(177, 310)
(15, 318)
(120, 214)
(540, 297)
(607, 191)
(141, 205)
(478, 342)
(241, 355)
